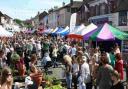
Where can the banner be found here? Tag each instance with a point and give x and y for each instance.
(73, 22)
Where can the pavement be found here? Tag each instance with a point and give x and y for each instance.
(58, 73)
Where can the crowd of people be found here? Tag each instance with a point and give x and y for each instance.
(99, 69)
(84, 67)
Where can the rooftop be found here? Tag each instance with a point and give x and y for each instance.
(75, 4)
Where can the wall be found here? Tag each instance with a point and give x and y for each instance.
(96, 2)
(67, 20)
(114, 18)
(44, 21)
(62, 17)
(52, 19)
(123, 28)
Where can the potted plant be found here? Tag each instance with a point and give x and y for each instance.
(37, 78)
(52, 83)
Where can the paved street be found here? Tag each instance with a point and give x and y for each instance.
(58, 73)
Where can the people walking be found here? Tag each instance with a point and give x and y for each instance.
(54, 55)
(119, 65)
(68, 71)
(104, 73)
(85, 74)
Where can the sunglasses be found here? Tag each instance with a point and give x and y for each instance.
(9, 74)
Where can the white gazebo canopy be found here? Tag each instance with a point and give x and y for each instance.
(5, 33)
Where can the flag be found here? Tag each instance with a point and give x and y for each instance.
(73, 21)
(86, 8)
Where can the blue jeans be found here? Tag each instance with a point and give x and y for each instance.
(69, 80)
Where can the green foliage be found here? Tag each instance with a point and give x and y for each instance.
(55, 87)
(52, 83)
(28, 25)
(56, 82)
(48, 78)
(19, 22)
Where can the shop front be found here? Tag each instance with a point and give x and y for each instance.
(99, 20)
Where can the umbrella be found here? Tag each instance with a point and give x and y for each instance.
(55, 30)
(83, 33)
(31, 31)
(108, 32)
(50, 31)
(47, 31)
(64, 31)
(59, 30)
(5, 33)
(77, 32)
(90, 29)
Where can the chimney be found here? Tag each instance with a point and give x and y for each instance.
(38, 13)
(63, 4)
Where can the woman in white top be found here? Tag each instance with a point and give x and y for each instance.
(85, 76)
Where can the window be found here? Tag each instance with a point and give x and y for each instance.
(73, 10)
(92, 11)
(68, 9)
(97, 9)
(102, 9)
(123, 18)
(106, 9)
(112, 6)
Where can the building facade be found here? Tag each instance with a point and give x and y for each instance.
(61, 16)
(114, 12)
(52, 19)
(101, 11)
(44, 21)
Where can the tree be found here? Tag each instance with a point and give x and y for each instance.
(19, 22)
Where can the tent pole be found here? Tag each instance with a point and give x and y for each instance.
(96, 44)
(83, 43)
(122, 42)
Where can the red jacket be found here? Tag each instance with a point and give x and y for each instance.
(119, 67)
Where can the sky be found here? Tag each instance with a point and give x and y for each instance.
(25, 9)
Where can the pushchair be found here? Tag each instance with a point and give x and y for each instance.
(47, 66)
(46, 62)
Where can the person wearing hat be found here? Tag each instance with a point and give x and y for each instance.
(85, 77)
